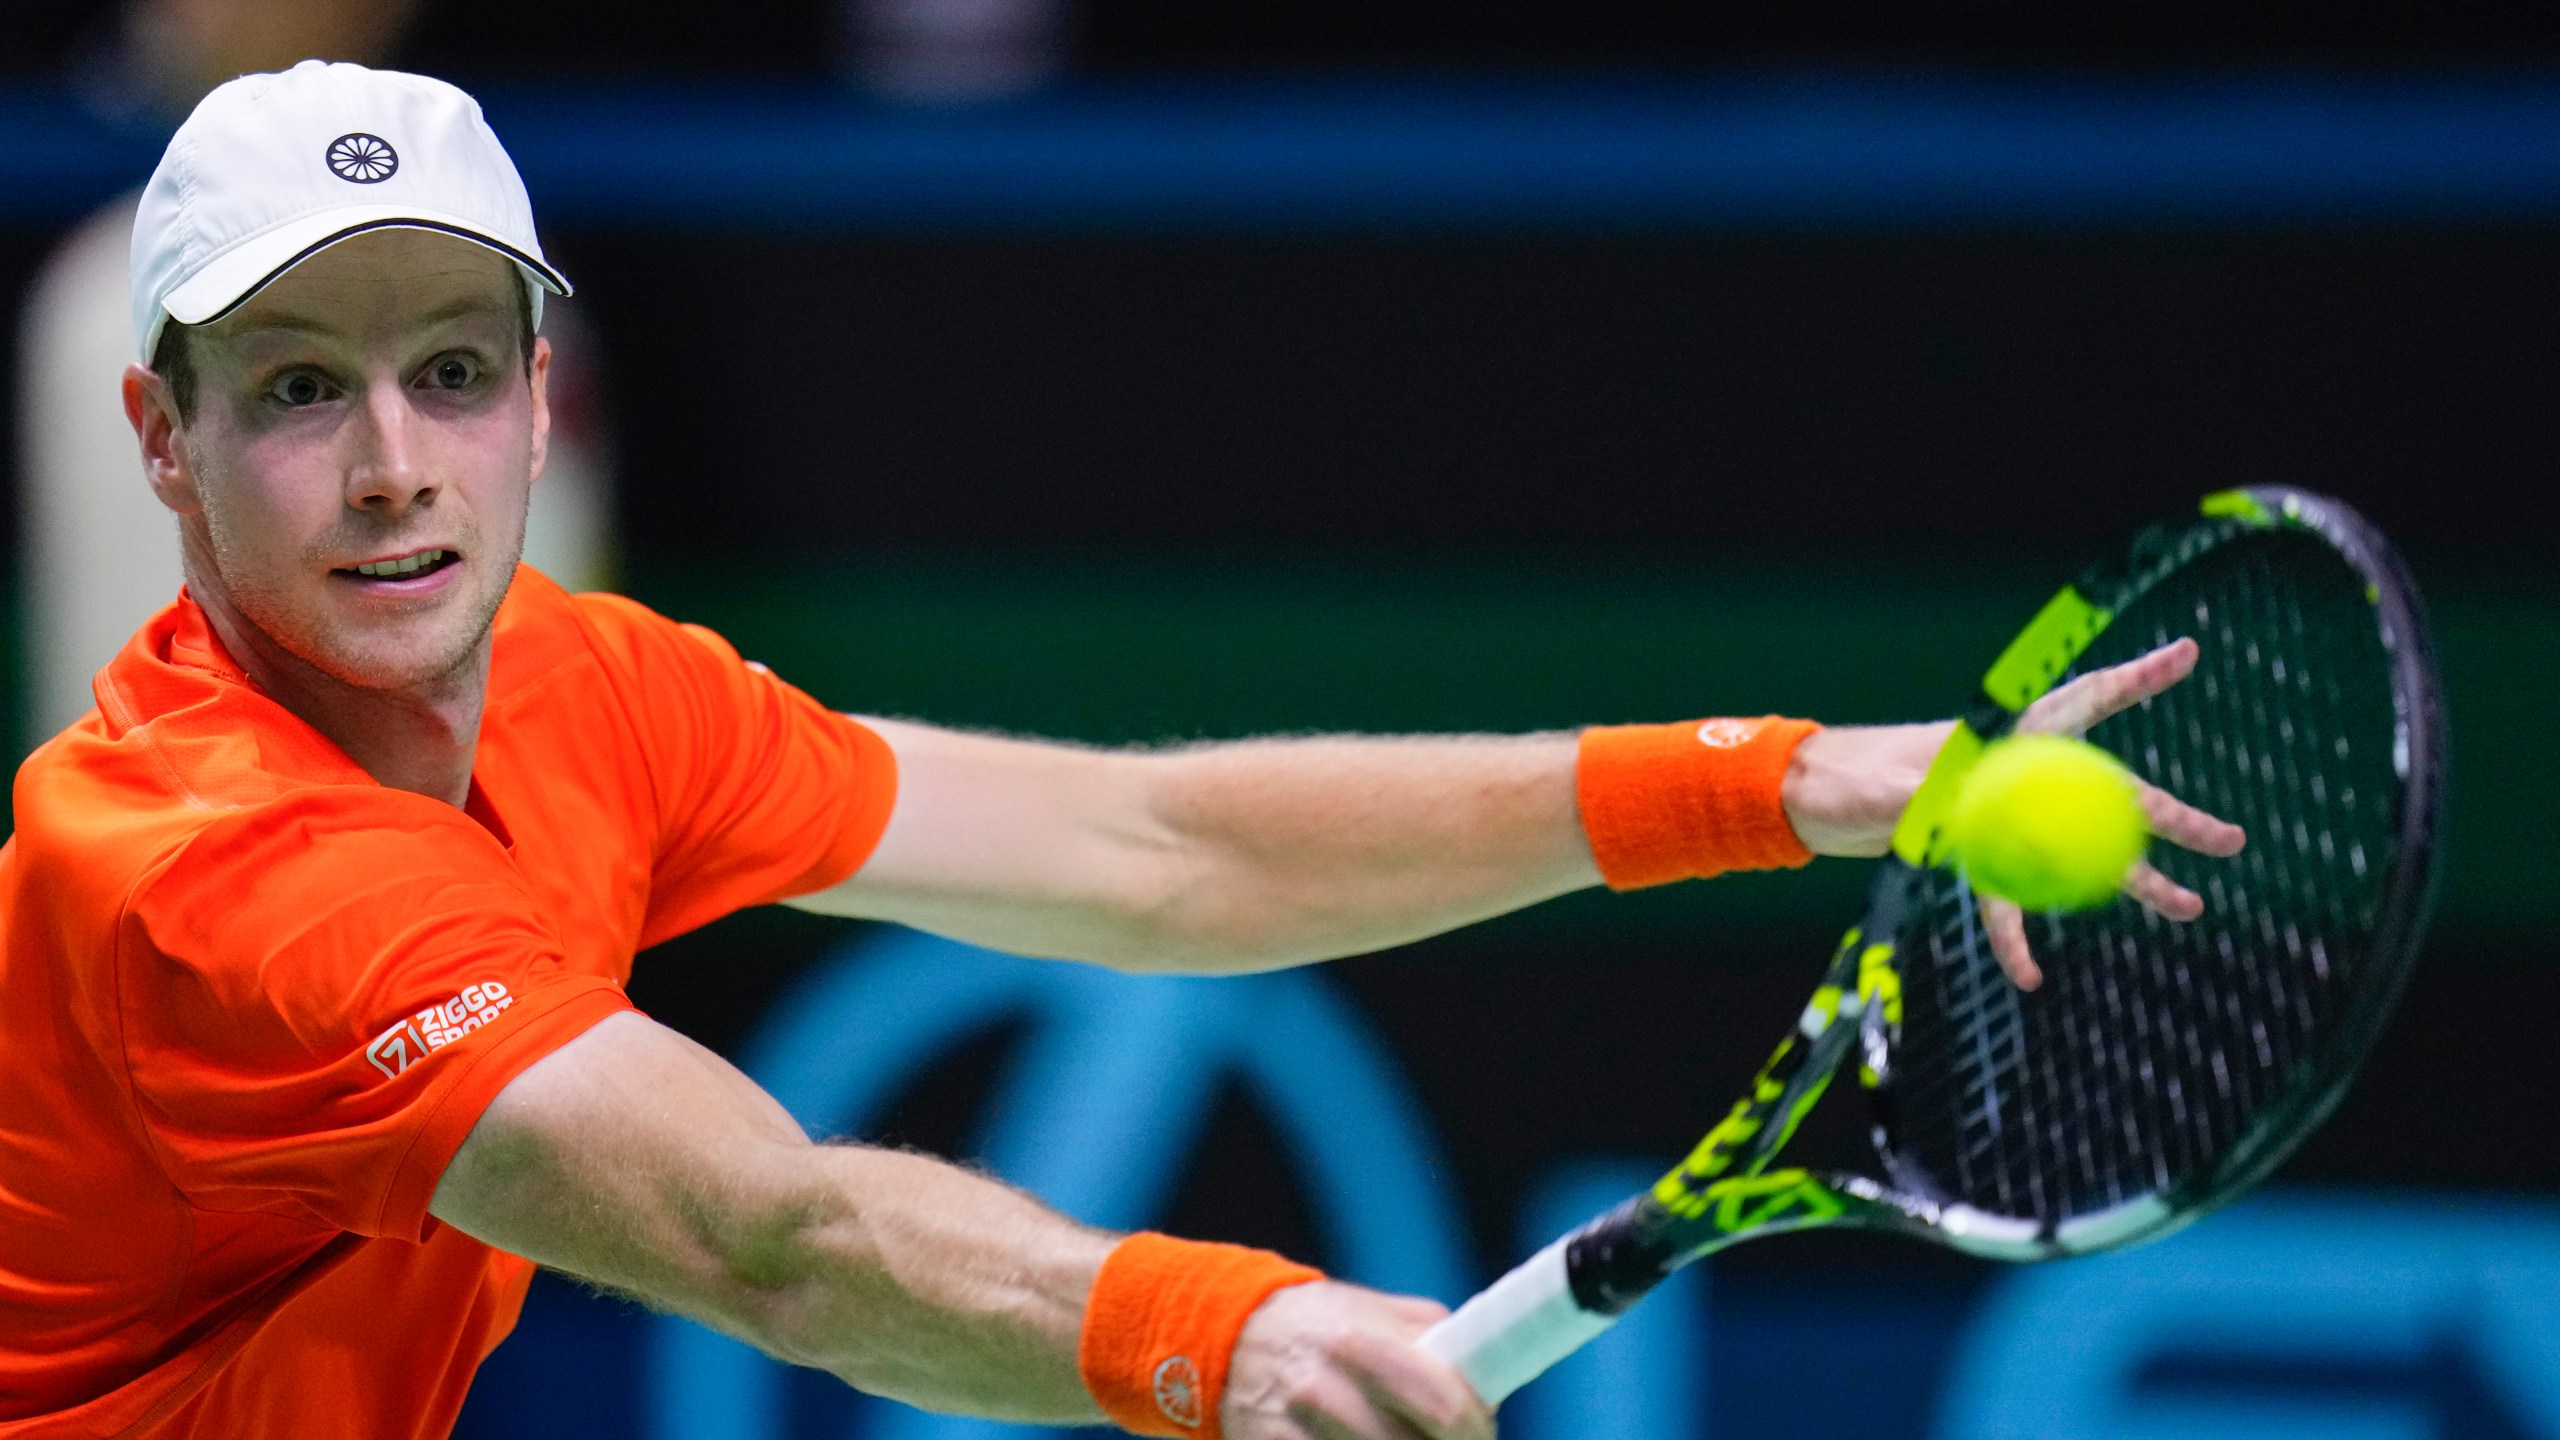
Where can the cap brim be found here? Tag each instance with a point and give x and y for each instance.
(232, 277)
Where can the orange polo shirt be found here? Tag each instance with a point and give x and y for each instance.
(251, 1001)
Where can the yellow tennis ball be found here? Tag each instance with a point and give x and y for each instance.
(2050, 823)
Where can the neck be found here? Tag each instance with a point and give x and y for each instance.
(419, 738)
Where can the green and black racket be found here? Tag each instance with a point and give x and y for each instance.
(2163, 1067)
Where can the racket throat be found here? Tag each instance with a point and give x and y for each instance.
(1617, 1259)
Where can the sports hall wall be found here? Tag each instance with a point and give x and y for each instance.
(950, 408)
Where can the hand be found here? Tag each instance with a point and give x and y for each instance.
(1329, 1361)
(1848, 784)
(1847, 787)
(2071, 710)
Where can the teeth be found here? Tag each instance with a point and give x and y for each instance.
(408, 565)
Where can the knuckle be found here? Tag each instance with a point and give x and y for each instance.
(1447, 1411)
(1341, 1340)
(1313, 1396)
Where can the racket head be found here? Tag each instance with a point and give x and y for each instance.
(2165, 1067)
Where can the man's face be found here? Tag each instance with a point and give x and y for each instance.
(362, 451)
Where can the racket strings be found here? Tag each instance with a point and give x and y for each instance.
(2155, 1048)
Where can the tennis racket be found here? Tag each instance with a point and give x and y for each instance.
(2162, 1068)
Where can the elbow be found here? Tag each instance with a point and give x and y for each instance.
(1170, 907)
(815, 1285)
(771, 1273)
(1201, 929)
(795, 1296)
(809, 1281)
(1177, 898)
(1144, 919)
(1205, 912)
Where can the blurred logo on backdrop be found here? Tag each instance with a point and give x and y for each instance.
(2348, 1317)
(1097, 1112)
(2340, 1317)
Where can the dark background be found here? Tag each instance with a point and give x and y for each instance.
(766, 38)
(1138, 486)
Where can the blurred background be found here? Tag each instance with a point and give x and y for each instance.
(1131, 371)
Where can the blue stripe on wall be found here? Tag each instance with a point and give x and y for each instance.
(1764, 149)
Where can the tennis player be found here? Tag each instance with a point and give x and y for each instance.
(312, 1027)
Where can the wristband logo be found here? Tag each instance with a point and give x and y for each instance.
(1726, 734)
(1178, 1391)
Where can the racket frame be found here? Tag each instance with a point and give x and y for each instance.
(1724, 1191)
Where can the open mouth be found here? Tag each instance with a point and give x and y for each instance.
(405, 567)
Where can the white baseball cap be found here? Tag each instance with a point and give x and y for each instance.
(272, 169)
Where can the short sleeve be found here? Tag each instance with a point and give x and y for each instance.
(762, 793)
(319, 995)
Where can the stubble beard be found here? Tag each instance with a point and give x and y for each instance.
(302, 629)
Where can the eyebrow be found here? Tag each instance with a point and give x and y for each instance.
(290, 323)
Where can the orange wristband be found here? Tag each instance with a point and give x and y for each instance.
(1162, 1320)
(1686, 801)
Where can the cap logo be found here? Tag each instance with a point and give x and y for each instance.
(362, 159)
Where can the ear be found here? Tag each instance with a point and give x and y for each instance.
(154, 415)
(538, 375)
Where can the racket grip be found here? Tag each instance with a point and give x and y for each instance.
(1516, 1327)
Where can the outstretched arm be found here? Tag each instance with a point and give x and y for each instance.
(1268, 853)
(633, 1158)
(1217, 858)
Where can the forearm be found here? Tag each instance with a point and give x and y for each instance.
(917, 1280)
(635, 1159)
(1332, 846)
(1301, 850)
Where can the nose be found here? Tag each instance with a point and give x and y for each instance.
(386, 475)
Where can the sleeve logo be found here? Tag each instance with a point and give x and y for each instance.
(431, 1029)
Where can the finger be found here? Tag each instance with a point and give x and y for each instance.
(1352, 1415)
(1423, 1391)
(2161, 895)
(2084, 702)
(1342, 1412)
(1416, 1311)
(2074, 708)
(2006, 924)
(2180, 823)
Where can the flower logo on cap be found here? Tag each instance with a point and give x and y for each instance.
(362, 159)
